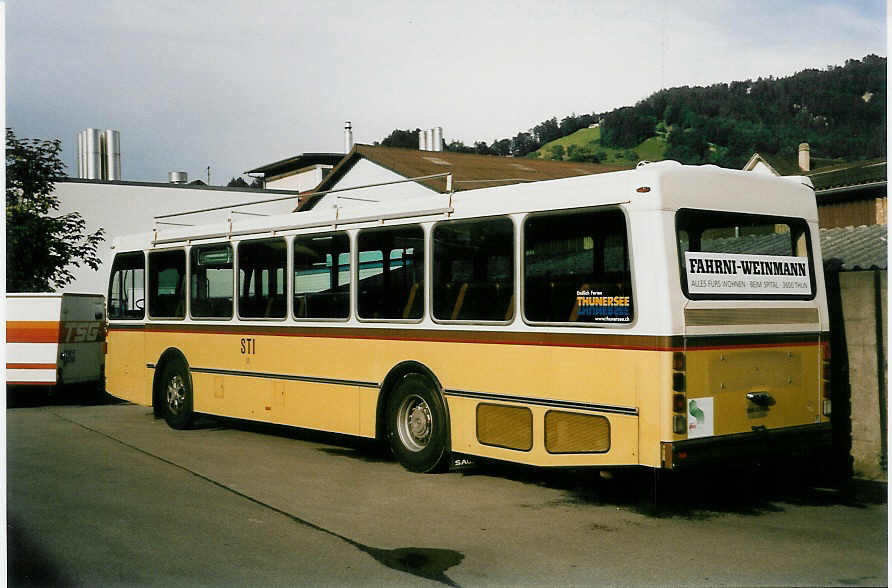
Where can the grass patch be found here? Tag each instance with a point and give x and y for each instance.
(651, 149)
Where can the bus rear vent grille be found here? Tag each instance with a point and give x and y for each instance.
(708, 317)
(505, 426)
(570, 432)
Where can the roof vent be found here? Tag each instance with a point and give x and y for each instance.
(177, 177)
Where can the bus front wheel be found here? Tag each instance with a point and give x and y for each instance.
(417, 425)
(176, 394)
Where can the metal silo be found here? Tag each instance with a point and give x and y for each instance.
(429, 139)
(93, 154)
(438, 139)
(80, 154)
(112, 155)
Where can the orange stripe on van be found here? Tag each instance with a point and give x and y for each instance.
(30, 366)
(32, 331)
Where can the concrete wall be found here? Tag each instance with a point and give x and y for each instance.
(859, 313)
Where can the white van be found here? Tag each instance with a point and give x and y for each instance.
(55, 339)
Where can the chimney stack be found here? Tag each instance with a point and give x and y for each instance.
(804, 157)
(348, 137)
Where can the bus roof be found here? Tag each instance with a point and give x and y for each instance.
(665, 185)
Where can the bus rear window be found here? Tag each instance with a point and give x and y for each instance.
(745, 256)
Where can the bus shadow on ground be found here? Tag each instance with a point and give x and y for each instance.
(34, 396)
(694, 495)
(751, 490)
(362, 449)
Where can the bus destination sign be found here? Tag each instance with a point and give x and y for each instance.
(734, 273)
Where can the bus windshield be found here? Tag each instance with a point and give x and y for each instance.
(745, 256)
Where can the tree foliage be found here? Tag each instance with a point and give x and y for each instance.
(240, 182)
(42, 249)
(840, 111)
(407, 139)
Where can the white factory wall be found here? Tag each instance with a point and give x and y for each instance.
(301, 180)
(123, 209)
(365, 172)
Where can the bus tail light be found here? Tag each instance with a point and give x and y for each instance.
(679, 424)
(826, 391)
(679, 402)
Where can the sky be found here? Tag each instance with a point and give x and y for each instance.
(235, 85)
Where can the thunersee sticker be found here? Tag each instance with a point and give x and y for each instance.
(734, 273)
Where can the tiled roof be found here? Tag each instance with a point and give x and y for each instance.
(469, 171)
(830, 174)
(849, 174)
(858, 248)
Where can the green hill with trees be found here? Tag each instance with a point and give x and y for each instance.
(586, 145)
(840, 111)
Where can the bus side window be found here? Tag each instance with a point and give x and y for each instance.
(391, 284)
(322, 276)
(126, 292)
(167, 284)
(261, 266)
(211, 274)
(576, 268)
(473, 269)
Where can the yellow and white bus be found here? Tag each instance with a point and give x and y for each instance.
(664, 316)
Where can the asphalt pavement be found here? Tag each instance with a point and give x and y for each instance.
(106, 495)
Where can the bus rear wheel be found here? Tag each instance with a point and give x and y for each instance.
(176, 394)
(417, 425)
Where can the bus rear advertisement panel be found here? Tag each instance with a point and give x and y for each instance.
(581, 334)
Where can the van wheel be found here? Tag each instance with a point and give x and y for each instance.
(417, 425)
(176, 394)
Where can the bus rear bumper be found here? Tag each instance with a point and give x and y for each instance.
(747, 447)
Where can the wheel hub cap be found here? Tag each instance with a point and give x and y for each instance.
(176, 394)
(415, 423)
